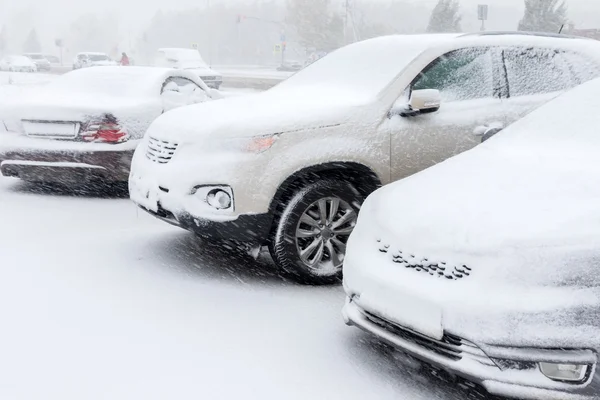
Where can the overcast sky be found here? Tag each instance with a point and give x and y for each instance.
(52, 17)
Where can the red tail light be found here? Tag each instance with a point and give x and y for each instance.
(106, 131)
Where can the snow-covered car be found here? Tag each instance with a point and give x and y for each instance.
(91, 59)
(188, 59)
(54, 60)
(487, 265)
(40, 61)
(85, 124)
(290, 66)
(17, 64)
(289, 167)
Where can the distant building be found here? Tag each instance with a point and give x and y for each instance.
(588, 33)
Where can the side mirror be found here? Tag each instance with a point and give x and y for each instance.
(426, 100)
(421, 102)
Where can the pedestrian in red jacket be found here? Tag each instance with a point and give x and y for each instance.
(124, 59)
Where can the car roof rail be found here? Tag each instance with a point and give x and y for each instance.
(520, 33)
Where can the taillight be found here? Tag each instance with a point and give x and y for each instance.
(106, 131)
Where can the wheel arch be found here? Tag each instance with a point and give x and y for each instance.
(363, 178)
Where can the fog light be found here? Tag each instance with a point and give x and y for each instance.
(218, 199)
(564, 372)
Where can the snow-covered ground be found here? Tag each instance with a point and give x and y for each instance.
(99, 300)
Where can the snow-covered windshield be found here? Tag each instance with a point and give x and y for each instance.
(363, 69)
(99, 57)
(115, 82)
(180, 58)
(35, 56)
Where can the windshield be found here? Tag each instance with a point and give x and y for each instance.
(35, 56)
(180, 58)
(99, 57)
(363, 69)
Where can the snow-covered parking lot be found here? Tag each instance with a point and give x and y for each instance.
(101, 301)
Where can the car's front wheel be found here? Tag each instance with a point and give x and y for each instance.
(310, 239)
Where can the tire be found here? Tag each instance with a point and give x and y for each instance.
(302, 228)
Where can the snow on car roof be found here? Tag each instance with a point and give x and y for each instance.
(22, 59)
(119, 81)
(364, 69)
(97, 53)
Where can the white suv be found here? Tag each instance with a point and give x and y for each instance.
(290, 167)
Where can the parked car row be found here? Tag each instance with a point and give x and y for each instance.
(176, 58)
(483, 265)
(93, 59)
(28, 62)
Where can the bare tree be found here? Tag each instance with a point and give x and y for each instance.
(32, 43)
(316, 25)
(544, 16)
(445, 17)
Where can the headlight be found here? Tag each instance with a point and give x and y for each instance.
(564, 372)
(260, 144)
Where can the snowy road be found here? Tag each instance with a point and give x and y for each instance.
(101, 301)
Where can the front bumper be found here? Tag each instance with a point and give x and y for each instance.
(43, 67)
(512, 378)
(252, 229)
(66, 166)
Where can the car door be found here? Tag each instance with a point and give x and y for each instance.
(469, 82)
(538, 75)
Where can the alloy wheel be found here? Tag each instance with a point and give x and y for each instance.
(322, 234)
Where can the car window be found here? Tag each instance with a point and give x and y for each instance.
(186, 88)
(460, 75)
(532, 71)
(185, 85)
(99, 57)
(582, 69)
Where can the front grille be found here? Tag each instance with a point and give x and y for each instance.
(160, 151)
(209, 78)
(449, 346)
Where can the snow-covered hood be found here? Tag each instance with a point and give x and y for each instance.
(515, 235)
(535, 211)
(253, 115)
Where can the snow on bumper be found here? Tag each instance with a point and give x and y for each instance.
(176, 183)
(498, 375)
(447, 313)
